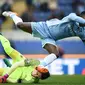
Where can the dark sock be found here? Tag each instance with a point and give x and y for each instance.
(7, 62)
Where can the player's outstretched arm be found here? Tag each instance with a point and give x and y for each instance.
(32, 62)
(6, 77)
(25, 26)
(24, 62)
(15, 65)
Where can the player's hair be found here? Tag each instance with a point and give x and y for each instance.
(45, 75)
(82, 13)
(44, 72)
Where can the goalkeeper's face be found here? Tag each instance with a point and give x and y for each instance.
(41, 73)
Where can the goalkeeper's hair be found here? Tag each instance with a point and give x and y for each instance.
(44, 72)
(45, 75)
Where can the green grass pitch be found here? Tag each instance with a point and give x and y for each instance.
(60, 80)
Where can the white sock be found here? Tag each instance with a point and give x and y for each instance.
(16, 19)
(48, 60)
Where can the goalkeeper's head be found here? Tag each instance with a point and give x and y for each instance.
(41, 72)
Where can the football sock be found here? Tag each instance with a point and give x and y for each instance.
(16, 19)
(7, 62)
(48, 59)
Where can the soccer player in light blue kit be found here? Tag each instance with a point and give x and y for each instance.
(52, 30)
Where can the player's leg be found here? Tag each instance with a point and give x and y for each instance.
(15, 55)
(50, 45)
(1, 71)
(25, 26)
(54, 51)
(54, 54)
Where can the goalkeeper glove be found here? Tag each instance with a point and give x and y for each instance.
(3, 78)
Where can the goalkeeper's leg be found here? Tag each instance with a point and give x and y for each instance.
(15, 55)
(1, 71)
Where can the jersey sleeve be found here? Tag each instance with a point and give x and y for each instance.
(31, 62)
(76, 18)
(15, 76)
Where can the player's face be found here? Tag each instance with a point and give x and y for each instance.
(35, 73)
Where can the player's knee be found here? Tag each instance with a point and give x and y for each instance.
(58, 52)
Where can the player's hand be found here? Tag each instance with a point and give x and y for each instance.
(1, 81)
(3, 78)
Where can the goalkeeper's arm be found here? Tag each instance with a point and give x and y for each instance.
(24, 62)
(14, 66)
(33, 62)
